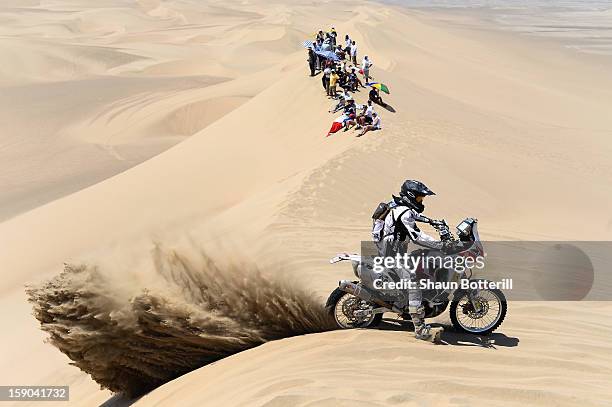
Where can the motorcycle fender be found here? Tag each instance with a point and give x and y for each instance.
(470, 293)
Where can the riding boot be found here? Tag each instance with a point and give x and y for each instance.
(423, 331)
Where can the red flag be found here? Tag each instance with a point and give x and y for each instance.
(334, 128)
(336, 125)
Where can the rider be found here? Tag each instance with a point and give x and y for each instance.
(400, 224)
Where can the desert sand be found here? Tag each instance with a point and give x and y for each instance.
(195, 124)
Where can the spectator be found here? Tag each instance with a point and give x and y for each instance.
(333, 78)
(354, 53)
(365, 117)
(353, 81)
(366, 64)
(374, 96)
(376, 125)
(350, 110)
(327, 43)
(312, 60)
(325, 79)
(340, 53)
(343, 100)
(342, 81)
(347, 44)
(317, 48)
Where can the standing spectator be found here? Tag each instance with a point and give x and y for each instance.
(327, 43)
(352, 80)
(334, 36)
(317, 48)
(340, 53)
(333, 78)
(312, 60)
(325, 79)
(354, 53)
(347, 45)
(366, 64)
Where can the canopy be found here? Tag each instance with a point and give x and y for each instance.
(328, 55)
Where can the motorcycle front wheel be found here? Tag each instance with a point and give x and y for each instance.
(345, 309)
(492, 308)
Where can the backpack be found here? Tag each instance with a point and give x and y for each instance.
(378, 222)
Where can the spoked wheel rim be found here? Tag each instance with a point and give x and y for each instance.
(343, 312)
(482, 319)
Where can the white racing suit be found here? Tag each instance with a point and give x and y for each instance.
(392, 244)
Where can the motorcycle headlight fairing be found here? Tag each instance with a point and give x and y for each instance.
(464, 228)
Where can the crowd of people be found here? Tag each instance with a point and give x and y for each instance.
(339, 69)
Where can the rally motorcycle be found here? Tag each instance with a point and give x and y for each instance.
(361, 304)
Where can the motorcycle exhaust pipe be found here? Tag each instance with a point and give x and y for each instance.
(360, 292)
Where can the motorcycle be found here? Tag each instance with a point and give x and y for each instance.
(473, 309)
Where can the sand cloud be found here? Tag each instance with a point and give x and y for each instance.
(193, 312)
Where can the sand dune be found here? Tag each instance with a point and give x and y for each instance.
(386, 368)
(513, 130)
(88, 95)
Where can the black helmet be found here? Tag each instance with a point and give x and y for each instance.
(409, 192)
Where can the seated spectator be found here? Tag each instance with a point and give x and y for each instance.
(376, 125)
(350, 110)
(365, 117)
(354, 81)
(374, 96)
(342, 80)
(342, 101)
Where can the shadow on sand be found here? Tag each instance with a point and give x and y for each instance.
(119, 401)
(451, 337)
(387, 107)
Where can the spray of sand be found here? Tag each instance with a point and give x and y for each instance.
(193, 312)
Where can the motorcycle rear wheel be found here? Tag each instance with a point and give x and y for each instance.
(465, 319)
(339, 301)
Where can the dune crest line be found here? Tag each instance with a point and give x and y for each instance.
(200, 313)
